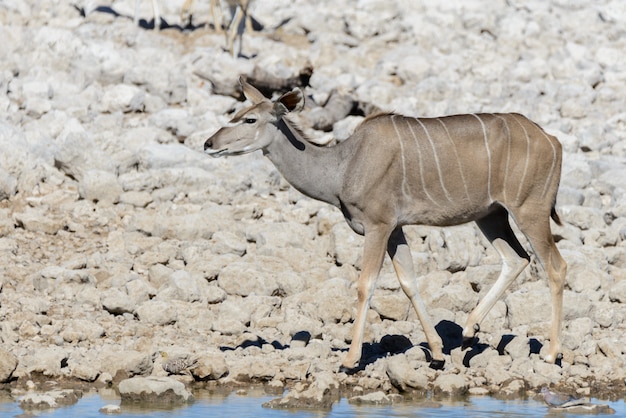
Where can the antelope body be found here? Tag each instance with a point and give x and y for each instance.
(396, 171)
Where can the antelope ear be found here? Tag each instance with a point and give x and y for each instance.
(289, 102)
(251, 92)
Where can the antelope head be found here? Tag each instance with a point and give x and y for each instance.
(256, 126)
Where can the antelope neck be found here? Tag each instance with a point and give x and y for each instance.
(312, 170)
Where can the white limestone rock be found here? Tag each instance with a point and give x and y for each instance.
(152, 389)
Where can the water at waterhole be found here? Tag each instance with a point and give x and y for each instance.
(209, 404)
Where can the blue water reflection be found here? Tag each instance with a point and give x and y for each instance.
(250, 406)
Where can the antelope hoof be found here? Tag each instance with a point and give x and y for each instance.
(437, 364)
(348, 370)
(469, 338)
(349, 367)
(553, 359)
(468, 342)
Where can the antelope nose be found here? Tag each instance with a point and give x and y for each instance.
(208, 144)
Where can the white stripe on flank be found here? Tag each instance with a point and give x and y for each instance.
(523, 178)
(549, 179)
(420, 163)
(488, 156)
(508, 154)
(458, 160)
(404, 186)
(432, 145)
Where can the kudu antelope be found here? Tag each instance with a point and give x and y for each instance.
(155, 13)
(238, 8)
(396, 171)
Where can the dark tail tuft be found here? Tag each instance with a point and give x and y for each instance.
(555, 216)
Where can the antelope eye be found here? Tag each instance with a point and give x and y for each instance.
(250, 120)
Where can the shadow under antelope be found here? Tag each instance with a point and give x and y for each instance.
(395, 171)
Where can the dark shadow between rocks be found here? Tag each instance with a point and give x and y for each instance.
(476, 350)
(143, 23)
(163, 25)
(504, 341)
(451, 334)
(259, 342)
(535, 346)
(371, 352)
(426, 349)
(302, 336)
(101, 9)
(187, 26)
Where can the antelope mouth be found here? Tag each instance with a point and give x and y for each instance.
(216, 153)
(226, 152)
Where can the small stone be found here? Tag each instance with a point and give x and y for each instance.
(110, 410)
(33, 219)
(618, 292)
(105, 378)
(478, 391)
(610, 348)
(376, 398)
(51, 399)
(403, 376)
(122, 97)
(275, 386)
(453, 384)
(85, 372)
(8, 364)
(139, 199)
(157, 312)
(117, 302)
(100, 186)
(154, 390)
(319, 394)
(210, 367)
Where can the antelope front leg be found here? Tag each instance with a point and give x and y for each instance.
(400, 254)
(375, 243)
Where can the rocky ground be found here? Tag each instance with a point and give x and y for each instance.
(120, 239)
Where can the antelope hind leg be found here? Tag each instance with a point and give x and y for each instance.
(497, 229)
(540, 237)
